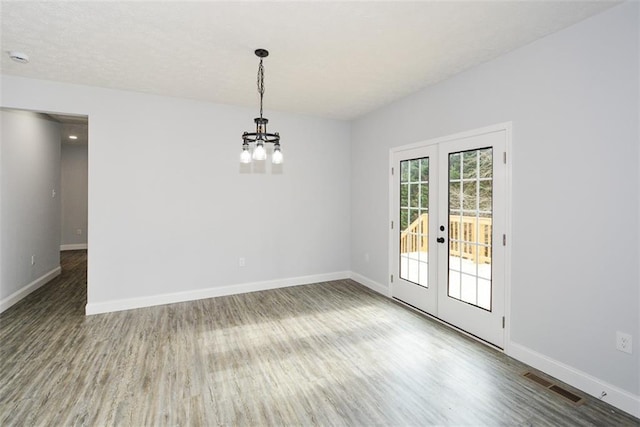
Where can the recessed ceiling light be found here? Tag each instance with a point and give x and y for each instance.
(73, 137)
(20, 57)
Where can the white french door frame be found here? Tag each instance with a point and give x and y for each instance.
(507, 128)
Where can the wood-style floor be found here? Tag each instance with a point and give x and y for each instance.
(332, 353)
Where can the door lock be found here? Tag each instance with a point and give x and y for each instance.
(440, 239)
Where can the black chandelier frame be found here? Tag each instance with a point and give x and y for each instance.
(261, 134)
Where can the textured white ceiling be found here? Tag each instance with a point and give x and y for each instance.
(331, 59)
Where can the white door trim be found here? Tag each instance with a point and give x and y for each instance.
(507, 128)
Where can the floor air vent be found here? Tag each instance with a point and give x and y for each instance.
(571, 397)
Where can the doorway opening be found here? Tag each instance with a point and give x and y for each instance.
(44, 195)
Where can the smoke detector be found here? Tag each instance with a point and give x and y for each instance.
(20, 57)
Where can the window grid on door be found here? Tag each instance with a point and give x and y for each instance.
(414, 220)
(470, 226)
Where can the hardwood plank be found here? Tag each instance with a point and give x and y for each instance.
(331, 353)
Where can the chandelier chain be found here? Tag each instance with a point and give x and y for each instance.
(261, 84)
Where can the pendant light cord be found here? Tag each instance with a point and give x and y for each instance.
(261, 84)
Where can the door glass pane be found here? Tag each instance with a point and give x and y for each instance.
(414, 194)
(470, 226)
(414, 220)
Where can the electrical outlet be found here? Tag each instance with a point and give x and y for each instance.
(78, 231)
(241, 262)
(623, 342)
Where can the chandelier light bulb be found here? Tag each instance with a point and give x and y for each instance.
(259, 153)
(245, 156)
(276, 158)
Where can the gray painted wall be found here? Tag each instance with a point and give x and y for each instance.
(573, 100)
(29, 215)
(73, 194)
(171, 209)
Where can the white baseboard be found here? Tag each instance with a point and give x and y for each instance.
(73, 247)
(617, 397)
(140, 302)
(7, 302)
(371, 284)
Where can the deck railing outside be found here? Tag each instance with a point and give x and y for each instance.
(466, 240)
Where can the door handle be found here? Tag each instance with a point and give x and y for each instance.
(440, 239)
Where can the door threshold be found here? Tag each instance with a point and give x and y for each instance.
(452, 326)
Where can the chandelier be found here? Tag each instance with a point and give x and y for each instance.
(253, 142)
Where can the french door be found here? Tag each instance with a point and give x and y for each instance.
(448, 213)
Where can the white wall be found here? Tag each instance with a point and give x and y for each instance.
(573, 100)
(29, 215)
(171, 210)
(73, 195)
